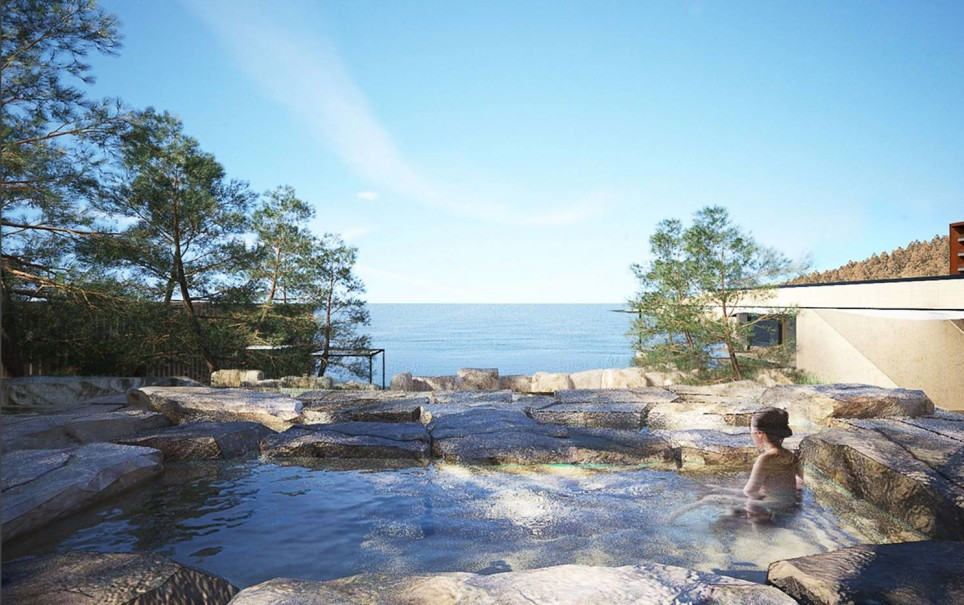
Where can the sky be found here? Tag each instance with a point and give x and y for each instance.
(523, 152)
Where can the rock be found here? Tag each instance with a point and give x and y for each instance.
(367, 440)
(48, 392)
(81, 578)
(435, 383)
(665, 379)
(708, 407)
(471, 397)
(41, 486)
(203, 440)
(729, 448)
(53, 431)
(488, 436)
(478, 378)
(771, 377)
(625, 378)
(235, 378)
(402, 382)
(612, 408)
(520, 383)
(820, 405)
(199, 404)
(306, 382)
(559, 585)
(354, 385)
(546, 382)
(590, 379)
(911, 573)
(322, 407)
(911, 468)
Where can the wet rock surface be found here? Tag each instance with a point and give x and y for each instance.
(355, 440)
(40, 486)
(564, 584)
(79, 426)
(912, 468)
(203, 440)
(912, 573)
(199, 404)
(84, 578)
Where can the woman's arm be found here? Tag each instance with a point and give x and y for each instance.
(754, 485)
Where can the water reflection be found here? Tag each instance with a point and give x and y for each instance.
(250, 521)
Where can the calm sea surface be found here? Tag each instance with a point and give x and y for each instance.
(438, 339)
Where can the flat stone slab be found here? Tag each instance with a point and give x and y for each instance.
(88, 578)
(203, 440)
(486, 436)
(469, 397)
(199, 404)
(66, 429)
(911, 573)
(66, 391)
(601, 408)
(821, 405)
(560, 585)
(911, 468)
(40, 486)
(730, 447)
(327, 406)
(355, 440)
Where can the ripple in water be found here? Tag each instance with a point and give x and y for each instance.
(251, 521)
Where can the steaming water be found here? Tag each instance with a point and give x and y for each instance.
(250, 521)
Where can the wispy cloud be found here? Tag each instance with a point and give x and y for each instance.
(368, 196)
(307, 76)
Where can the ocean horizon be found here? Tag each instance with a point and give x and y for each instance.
(436, 339)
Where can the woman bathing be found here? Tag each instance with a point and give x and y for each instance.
(776, 480)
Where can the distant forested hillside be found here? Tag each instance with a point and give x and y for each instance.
(918, 259)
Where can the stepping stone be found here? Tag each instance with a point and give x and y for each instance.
(559, 585)
(913, 469)
(352, 440)
(88, 578)
(203, 440)
(820, 405)
(200, 404)
(911, 573)
(66, 429)
(41, 486)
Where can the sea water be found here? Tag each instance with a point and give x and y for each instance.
(439, 339)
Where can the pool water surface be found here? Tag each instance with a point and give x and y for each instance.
(250, 521)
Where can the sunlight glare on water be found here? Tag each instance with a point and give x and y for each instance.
(251, 521)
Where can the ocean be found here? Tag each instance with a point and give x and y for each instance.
(439, 339)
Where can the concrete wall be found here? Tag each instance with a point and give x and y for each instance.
(838, 345)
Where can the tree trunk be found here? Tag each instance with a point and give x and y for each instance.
(10, 341)
(209, 361)
(734, 362)
(327, 348)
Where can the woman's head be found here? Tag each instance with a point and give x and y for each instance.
(773, 423)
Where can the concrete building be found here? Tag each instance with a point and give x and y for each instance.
(893, 333)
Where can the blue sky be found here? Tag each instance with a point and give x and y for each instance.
(523, 151)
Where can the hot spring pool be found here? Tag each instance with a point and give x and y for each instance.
(250, 521)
